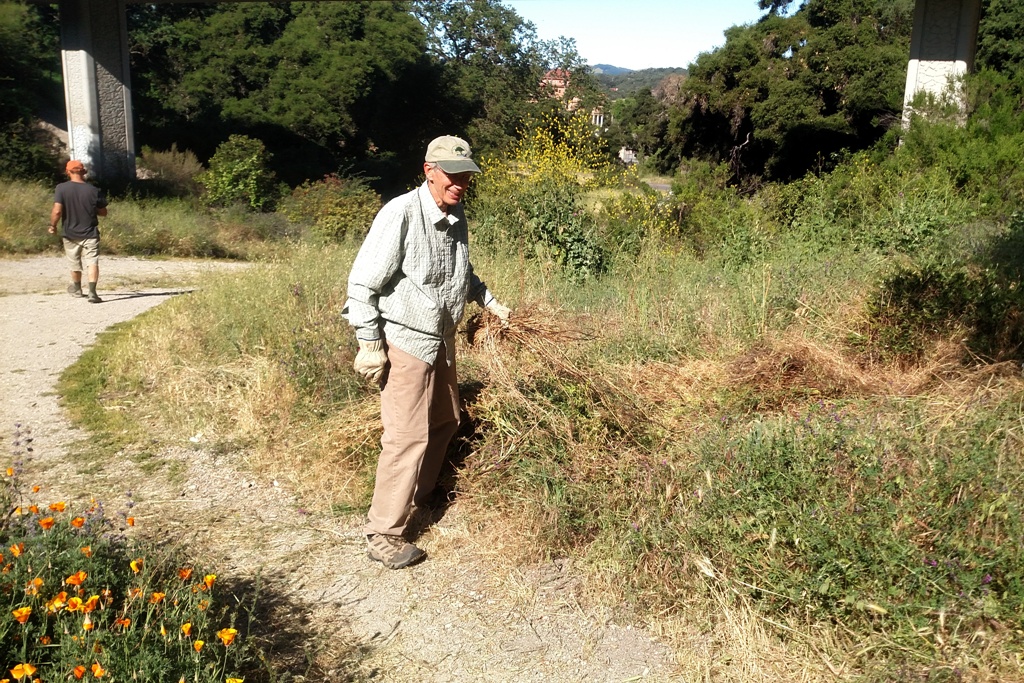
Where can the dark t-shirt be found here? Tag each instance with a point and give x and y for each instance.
(80, 201)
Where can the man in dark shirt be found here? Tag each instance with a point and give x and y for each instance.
(79, 204)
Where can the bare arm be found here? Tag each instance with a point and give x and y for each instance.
(55, 214)
(101, 212)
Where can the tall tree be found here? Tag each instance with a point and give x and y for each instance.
(27, 50)
(781, 95)
(999, 37)
(490, 62)
(318, 82)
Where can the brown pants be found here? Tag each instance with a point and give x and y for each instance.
(419, 406)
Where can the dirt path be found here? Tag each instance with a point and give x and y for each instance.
(447, 619)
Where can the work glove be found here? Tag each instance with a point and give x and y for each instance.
(371, 359)
(502, 312)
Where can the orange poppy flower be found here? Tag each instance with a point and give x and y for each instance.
(235, 680)
(35, 489)
(57, 602)
(45, 640)
(163, 629)
(91, 604)
(10, 471)
(76, 579)
(123, 622)
(78, 522)
(74, 605)
(97, 670)
(17, 549)
(134, 592)
(185, 573)
(78, 672)
(107, 595)
(46, 523)
(23, 671)
(156, 598)
(58, 507)
(33, 509)
(227, 635)
(130, 521)
(33, 586)
(198, 645)
(22, 614)
(87, 623)
(186, 628)
(86, 550)
(209, 579)
(203, 604)
(136, 564)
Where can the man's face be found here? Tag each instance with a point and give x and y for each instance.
(447, 190)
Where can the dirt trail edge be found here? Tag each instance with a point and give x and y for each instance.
(447, 619)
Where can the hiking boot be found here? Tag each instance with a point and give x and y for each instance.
(75, 290)
(94, 298)
(394, 552)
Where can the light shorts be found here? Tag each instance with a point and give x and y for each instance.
(82, 252)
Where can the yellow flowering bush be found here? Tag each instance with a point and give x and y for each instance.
(532, 202)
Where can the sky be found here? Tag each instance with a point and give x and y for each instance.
(637, 34)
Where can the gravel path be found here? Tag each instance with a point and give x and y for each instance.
(452, 618)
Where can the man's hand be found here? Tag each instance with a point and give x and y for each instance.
(502, 312)
(51, 229)
(371, 359)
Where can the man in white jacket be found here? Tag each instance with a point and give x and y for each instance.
(406, 295)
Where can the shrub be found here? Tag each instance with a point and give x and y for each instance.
(916, 305)
(172, 172)
(532, 203)
(239, 174)
(334, 207)
(630, 218)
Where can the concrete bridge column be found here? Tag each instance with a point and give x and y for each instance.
(97, 87)
(942, 48)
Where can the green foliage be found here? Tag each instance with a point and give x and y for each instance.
(999, 46)
(893, 206)
(97, 603)
(335, 207)
(26, 47)
(982, 157)
(917, 305)
(783, 94)
(825, 516)
(239, 174)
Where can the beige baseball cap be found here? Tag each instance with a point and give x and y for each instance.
(452, 154)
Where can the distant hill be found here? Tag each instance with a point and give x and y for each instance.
(609, 70)
(626, 83)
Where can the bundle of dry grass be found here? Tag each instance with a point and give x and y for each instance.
(530, 325)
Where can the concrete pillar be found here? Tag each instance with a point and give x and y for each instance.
(97, 87)
(942, 48)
